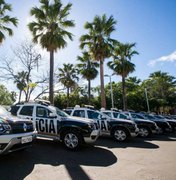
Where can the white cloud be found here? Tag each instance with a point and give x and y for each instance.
(169, 58)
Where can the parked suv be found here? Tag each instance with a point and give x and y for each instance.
(119, 130)
(15, 134)
(164, 126)
(51, 122)
(146, 127)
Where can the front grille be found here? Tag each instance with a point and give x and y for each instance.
(21, 127)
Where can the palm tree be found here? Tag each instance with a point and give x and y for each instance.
(20, 80)
(87, 69)
(48, 30)
(99, 44)
(68, 77)
(122, 66)
(6, 20)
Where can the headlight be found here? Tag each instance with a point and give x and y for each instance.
(92, 126)
(5, 128)
(1, 128)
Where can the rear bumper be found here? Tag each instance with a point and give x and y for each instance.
(93, 136)
(13, 142)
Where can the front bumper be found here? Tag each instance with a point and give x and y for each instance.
(134, 134)
(93, 136)
(13, 142)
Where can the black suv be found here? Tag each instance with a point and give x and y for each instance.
(51, 122)
(119, 130)
(164, 126)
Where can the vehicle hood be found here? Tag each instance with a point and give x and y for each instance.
(122, 120)
(143, 120)
(12, 119)
(80, 119)
(171, 120)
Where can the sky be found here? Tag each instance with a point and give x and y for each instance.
(151, 24)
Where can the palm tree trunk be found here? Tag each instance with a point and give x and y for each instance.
(103, 99)
(51, 92)
(124, 94)
(68, 94)
(89, 88)
(20, 96)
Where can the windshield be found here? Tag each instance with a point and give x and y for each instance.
(137, 116)
(58, 111)
(3, 111)
(150, 117)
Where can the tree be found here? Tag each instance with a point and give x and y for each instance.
(122, 66)
(20, 80)
(22, 69)
(5, 96)
(87, 69)
(48, 30)
(6, 20)
(161, 88)
(68, 77)
(99, 44)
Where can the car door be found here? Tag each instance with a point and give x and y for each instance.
(44, 123)
(100, 119)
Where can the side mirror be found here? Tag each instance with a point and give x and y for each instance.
(52, 115)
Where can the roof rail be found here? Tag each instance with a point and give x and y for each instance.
(114, 109)
(43, 102)
(77, 106)
(102, 109)
(89, 106)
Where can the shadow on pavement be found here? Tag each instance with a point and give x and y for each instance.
(20, 164)
(163, 137)
(133, 142)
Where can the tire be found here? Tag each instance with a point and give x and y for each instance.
(120, 134)
(144, 132)
(72, 140)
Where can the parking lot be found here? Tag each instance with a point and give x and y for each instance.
(151, 158)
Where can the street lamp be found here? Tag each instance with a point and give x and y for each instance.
(146, 95)
(112, 100)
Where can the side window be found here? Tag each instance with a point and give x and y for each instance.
(42, 112)
(93, 115)
(68, 111)
(115, 115)
(79, 113)
(27, 110)
(122, 116)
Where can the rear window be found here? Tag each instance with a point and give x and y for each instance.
(27, 110)
(79, 113)
(14, 110)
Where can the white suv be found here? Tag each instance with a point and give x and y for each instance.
(51, 122)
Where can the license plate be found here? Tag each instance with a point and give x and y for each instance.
(26, 139)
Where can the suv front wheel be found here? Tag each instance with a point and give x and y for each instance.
(120, 134)
(72, 140)
(144, 132)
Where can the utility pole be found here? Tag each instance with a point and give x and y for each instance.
(146, 95)
(112, 99)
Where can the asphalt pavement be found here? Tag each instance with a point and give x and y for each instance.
(149, 159)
